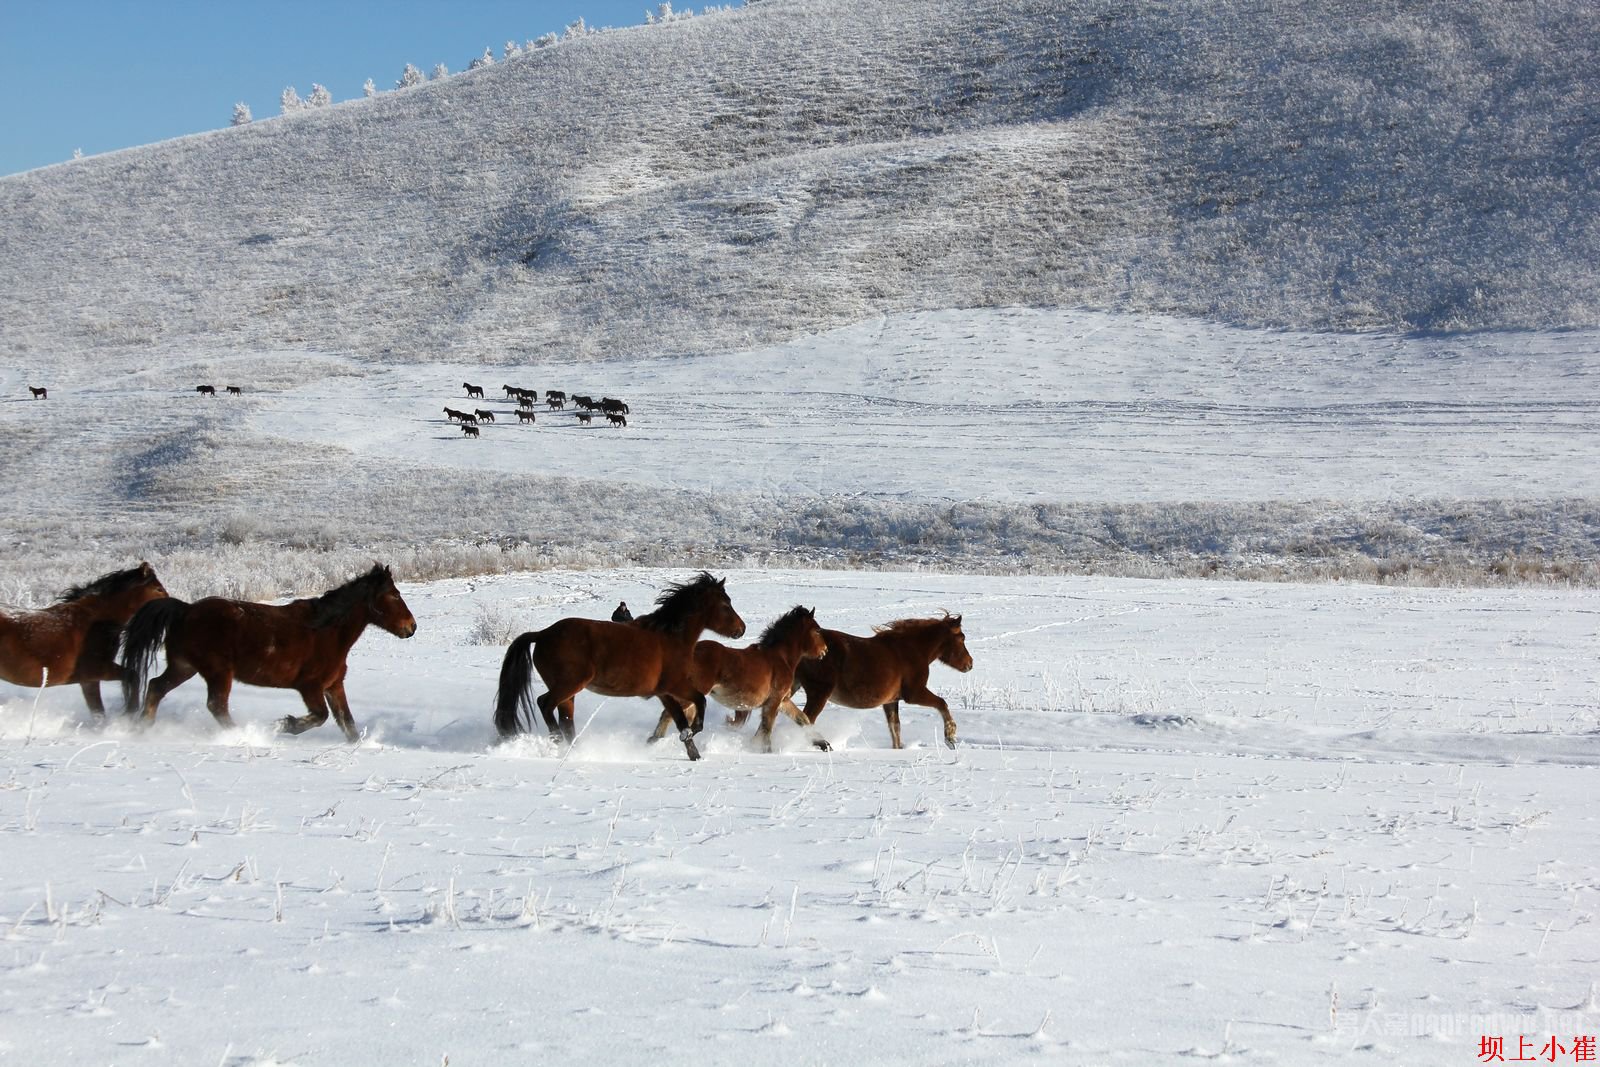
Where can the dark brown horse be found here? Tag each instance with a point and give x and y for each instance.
(760, 676)
(39, 392)
(648, 657)
(881, 671)
(75, 639)
(301, 645)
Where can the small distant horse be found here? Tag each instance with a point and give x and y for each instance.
(301, 645)
(473, 390)
(759, 676)
(526, 415)
(649, 657)
(583, 417)
(206, 390)
(585, 402)
(616, 419)
(511, 391)
(611, 403)
(482, 415)
(75, 639)
(39, 392)
(234, 390)
(881, 671)
(556, 403)
(526, 400)
(555, 394)
(470, 429)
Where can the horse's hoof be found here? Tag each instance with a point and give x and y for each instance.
(687, 737)
(822, 744)
(652, 739)
(949, 742)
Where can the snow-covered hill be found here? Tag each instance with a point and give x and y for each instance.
(795, 164)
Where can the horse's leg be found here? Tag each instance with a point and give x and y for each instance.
(681, 721)
(217, 690)
(891, 713)
(921, 694)
(91, 697)
(163, 684)
(316, 702)
(661, 724)
(739, 718)
(569, 726)
(341, 711)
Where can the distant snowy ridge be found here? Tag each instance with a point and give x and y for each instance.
(748, 175)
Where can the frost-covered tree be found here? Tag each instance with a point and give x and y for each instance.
(410, 77)
(241, 114)
(320, 97)
(546, 41)
(369, 89)
(512, 49)
(440, 72)
(576, 29)
(290, 100)
(485, 60)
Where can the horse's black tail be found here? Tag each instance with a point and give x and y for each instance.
(516, 672)
(140, 638)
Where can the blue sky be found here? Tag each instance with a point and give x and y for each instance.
(106, 74)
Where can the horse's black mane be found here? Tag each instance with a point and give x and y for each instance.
(783, 627)
(676, 602)
(336, 604)
(108, 584)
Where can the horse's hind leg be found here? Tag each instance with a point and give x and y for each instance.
(161, 685)
(217, 690)
(316, 702)
(547, 707)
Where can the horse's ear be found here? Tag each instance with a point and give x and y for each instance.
(145, 568)
(956, 620)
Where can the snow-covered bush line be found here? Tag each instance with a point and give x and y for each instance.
(717, 181)
(1485, 543)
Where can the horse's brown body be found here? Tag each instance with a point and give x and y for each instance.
(759, 676)
(881, 671)
(649, 657)
(302, 646)
(75, 640)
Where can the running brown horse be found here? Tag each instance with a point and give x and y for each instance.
(301, 645)
(75, 639)
(744, 678)
(648, 657)
(881, 671)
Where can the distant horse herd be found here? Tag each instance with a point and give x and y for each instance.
(304, 645)
(616, 411)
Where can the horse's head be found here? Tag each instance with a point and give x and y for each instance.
(953, 649)
(149, 586)
(388, 607)
(723, 619)
(816, 644)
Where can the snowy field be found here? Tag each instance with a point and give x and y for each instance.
(1187, 820)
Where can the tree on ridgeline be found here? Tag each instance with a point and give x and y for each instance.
(440, 72)
(320, 97)
(575, 29)
(409, 78)
(485, 60)
(369, 89)
(241, 114)
(290, 101)
(512, 49)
